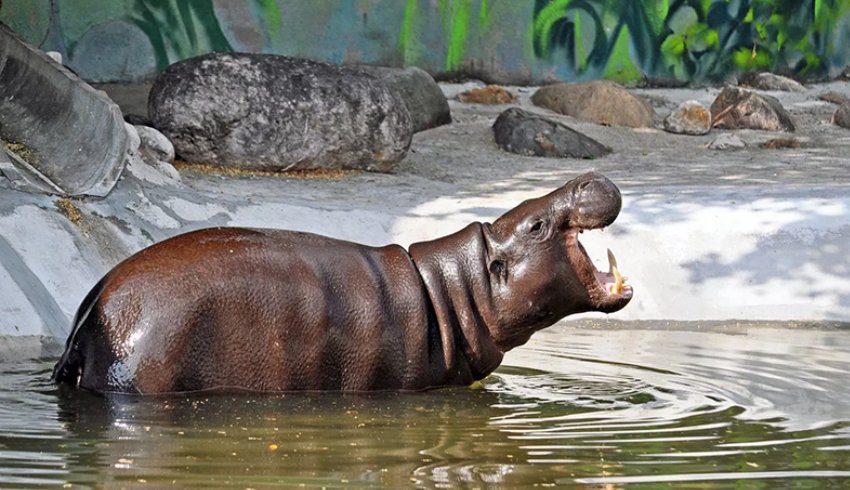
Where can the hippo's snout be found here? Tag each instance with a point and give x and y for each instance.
(596, 201)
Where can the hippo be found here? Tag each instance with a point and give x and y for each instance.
(261, 310)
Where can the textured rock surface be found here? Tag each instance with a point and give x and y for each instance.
(156, 143)
(738, 108)
(690, 117)
(425, 101)
(842, 115)
(770, 81)
(279, 113)
(491, 94)
(726, 141)
(522, 132)
(833, 98)
(75, 137)
(600, 101)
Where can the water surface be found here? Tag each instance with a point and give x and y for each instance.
(582, 405)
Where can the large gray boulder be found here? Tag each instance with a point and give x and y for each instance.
(261, 111)
(425, 101)
(524, 133)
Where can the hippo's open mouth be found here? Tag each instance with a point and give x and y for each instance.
(608, 291)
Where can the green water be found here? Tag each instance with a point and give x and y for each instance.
(722, 406)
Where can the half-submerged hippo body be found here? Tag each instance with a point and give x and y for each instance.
(231, 309)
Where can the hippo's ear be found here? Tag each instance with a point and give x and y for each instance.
(498, 268)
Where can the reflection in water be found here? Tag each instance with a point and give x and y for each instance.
(579, 405)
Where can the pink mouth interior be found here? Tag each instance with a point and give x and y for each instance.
(598, 282)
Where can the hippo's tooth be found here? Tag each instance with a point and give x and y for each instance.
(619, 280)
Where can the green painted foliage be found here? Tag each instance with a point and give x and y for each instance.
(179, 29)
(458, 19)
(688, 39)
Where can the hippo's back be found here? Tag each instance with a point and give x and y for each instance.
(251, 309)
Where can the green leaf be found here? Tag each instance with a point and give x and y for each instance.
(483, 14)
(700, 38)
(657, 14)
(580, 53)
(545, 20)
(780, 38)
(683, 19)
(459, 31)
(761, 29)
(749, 17)
(620, 67)
(696, 29)
(405, 37)
(742, 57)
(712, 38)
(270, 15)
(673, 45)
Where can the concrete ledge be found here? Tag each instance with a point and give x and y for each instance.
(74, 135)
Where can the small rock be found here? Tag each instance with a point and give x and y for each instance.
(269, 112)
(54, 55)
(770, 81)
(842, 115)
(738, 108)
(690, 117)
(780, 144)
(726, 141)
(133, 138)
(600, 101)
(833, 98)
(168, 169)
(425, 102)
(491, 94)
(661, 82)
(151, 170)
(524, 133)
(156, 143)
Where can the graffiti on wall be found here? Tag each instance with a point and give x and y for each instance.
(695, 39)
(531, 41)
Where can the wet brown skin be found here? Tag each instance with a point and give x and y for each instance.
(231, 309)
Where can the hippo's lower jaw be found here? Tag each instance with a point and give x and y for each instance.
(607, 290)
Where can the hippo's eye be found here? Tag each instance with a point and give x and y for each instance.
(497, 268)
(538, 228)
